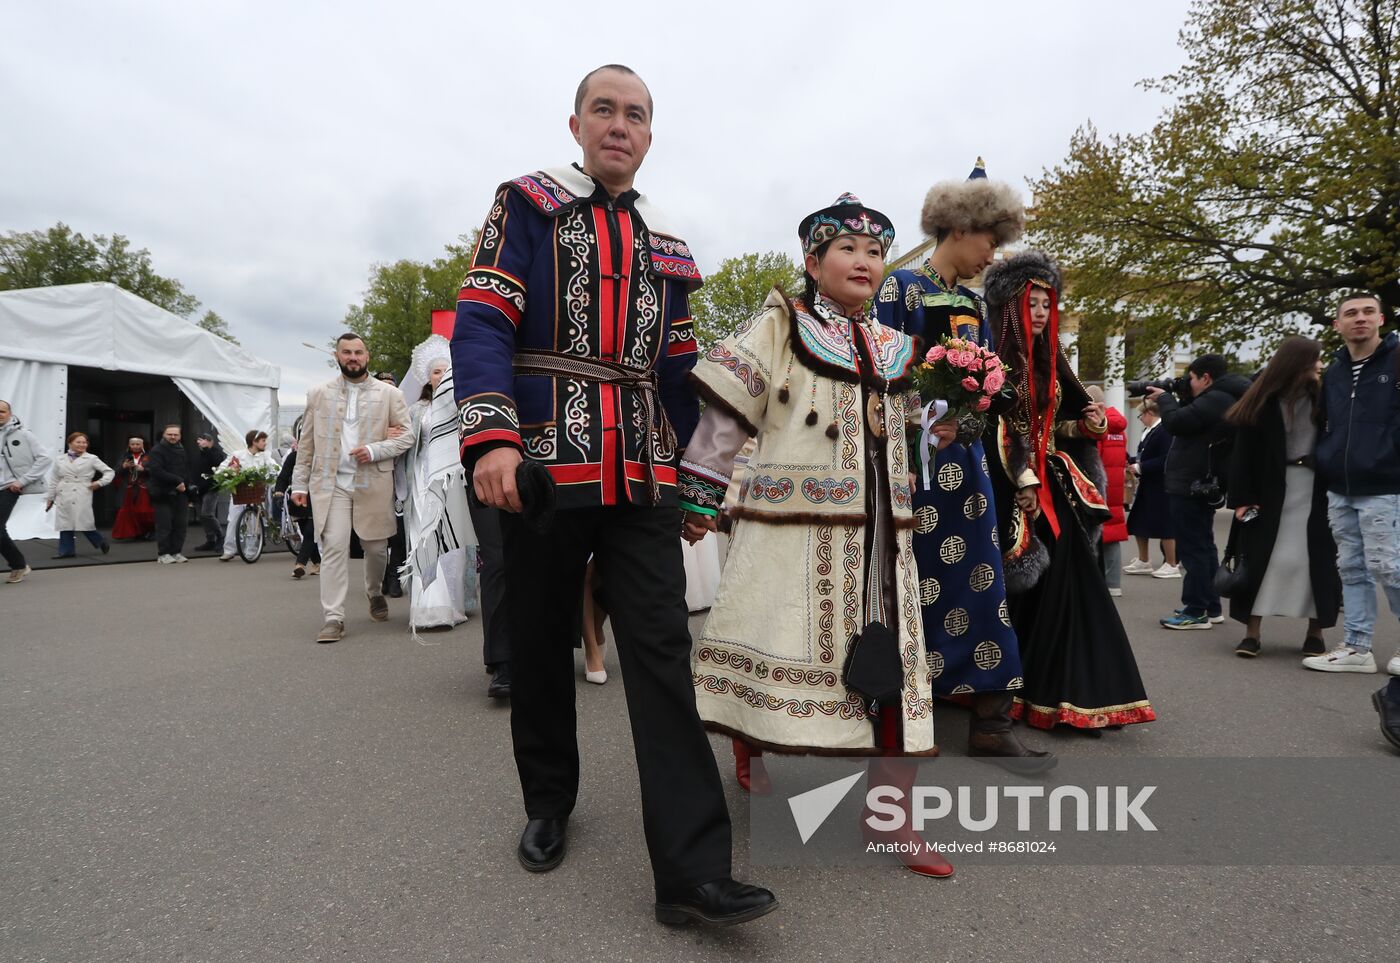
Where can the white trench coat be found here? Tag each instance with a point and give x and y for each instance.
(69, 492)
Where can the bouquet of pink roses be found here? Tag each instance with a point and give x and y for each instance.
(964, 375)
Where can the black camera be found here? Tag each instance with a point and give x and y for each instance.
(1181, 387)
(1208, 490)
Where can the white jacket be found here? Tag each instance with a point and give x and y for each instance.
(249, 459)
(69, 492)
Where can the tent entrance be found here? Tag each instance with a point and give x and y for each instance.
(114, 406)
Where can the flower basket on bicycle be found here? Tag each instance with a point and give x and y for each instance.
(249, 494)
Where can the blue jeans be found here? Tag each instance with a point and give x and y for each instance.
(66, 544)
(1195, 549)
(1367, 531)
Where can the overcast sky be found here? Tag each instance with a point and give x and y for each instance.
(268, 153)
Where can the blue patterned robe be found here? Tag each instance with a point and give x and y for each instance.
(967, 630)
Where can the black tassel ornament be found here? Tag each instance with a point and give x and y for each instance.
(812, 417)
(831, 431)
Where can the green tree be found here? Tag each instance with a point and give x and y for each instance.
(216, 325)
(396, 313)
(1268, 188)
(736, 290)
(32, 259)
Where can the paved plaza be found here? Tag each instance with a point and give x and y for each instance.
(185, 775)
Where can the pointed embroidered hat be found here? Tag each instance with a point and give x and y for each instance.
(846, 216)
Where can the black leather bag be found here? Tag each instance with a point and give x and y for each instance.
(873, 668)
(1232, 577)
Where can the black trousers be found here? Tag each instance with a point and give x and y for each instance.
(8, 548)
(1195, 547)
(638, 552)
(495, 627)
(172, 518)
(398, 554)
(310, 551)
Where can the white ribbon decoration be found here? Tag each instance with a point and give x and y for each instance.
(926, 423)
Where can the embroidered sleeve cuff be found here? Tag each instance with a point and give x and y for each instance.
(700, 490)
(1027, 479)
(487, 418)
(699, 509)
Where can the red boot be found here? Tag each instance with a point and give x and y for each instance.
(749, 768)
(912, 851)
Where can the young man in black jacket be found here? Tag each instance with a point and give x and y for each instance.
(1358, 456)
(213, 504)
(1199, 454)
(170, 483)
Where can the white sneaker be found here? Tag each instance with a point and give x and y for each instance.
(180, 558)
(1167, 571)
(1216, 619)
(1116, 593)
(1393, 666)
(166, 559)
(1137, 567)
(226, 557)
(1342, 659)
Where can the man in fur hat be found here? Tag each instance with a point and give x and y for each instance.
(967, 630)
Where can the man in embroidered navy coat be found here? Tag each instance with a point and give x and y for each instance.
(572, 343)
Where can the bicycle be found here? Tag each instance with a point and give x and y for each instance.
(253, 529)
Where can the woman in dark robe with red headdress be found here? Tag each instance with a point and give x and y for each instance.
(1078, 664)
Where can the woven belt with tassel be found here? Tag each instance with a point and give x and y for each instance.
(552, 364)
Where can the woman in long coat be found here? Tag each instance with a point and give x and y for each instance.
(1289, 557)
(75, 477)
(1151, 514)
(1078, 663)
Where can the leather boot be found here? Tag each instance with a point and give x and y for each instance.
(911, 850)
(989, 735)
(749, 768)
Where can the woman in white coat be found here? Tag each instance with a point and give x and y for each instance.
(74, 478)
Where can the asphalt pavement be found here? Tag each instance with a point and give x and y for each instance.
(185, 775)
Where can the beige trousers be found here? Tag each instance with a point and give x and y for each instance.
(335, 557)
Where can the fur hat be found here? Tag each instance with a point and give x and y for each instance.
(1005, 279)
(976, 204)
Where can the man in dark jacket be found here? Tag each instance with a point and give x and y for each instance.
(171, 480)
(213, 504)
(1358, 456)
(1199, 454)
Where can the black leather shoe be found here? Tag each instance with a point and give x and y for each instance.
(720, 902)
(207, 546)
(499, 687)
(1386, 699)
(541, 845)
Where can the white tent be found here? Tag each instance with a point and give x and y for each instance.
(44, 330)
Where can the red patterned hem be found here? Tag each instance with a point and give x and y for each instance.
(1047, 717)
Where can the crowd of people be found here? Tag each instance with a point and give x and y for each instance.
(887, 553)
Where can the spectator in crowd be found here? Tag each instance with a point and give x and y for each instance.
(1280, 533)
(213, 504)
(308, 560)
(1195, 480)
(71, 483)
(346, 476)
(136, 517)
(254, 456)
(24, 465)
(1151, 515)
(1358, 456)
(170, 474)
(1113, 452)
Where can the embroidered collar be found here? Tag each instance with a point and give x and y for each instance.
(832, 313)
(822, 341)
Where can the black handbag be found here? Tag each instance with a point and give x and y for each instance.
(874, 668)
(1232, 577)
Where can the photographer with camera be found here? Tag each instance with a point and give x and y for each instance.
(1194, 412)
